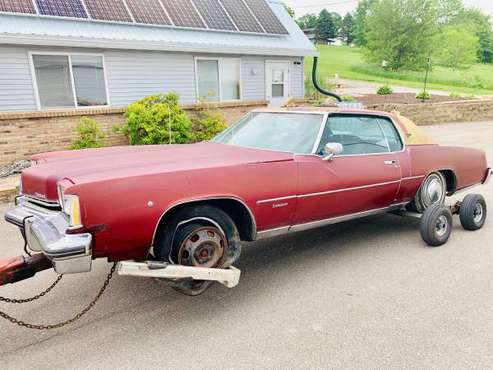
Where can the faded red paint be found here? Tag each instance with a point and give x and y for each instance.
(115, 185)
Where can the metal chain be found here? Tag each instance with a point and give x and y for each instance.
(69, 321)
(26, 300)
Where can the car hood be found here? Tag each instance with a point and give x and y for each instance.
(90, 165)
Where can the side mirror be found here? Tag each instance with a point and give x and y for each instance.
(332, 149)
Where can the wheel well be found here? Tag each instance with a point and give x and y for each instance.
(451, 180)
(239, 213)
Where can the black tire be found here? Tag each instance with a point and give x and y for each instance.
(436, 225)
(184, 223)
(423, 199)
(473, 211)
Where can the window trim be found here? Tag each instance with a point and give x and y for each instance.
(219, 61)
(72, 80)
(377, 117)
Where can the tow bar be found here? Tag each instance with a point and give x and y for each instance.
(229, 277)
(19, 268)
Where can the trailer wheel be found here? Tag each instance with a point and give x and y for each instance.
(436, 225)
(472, 213)
(201, 236)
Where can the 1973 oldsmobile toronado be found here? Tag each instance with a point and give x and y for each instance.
(275, 171)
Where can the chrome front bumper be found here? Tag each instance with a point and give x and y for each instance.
(45, 232)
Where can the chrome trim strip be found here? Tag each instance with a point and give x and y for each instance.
(277, 199)
(328, 221)
(252, 217)
(327, 192)
(320, 133)
(42, 203)
(413, 177)
(349, 189)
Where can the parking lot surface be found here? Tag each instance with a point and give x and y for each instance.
(363, 294)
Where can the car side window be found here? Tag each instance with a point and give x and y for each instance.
(360, 134)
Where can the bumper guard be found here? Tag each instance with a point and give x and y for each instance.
(45, 232)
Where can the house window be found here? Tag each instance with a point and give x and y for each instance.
(218, 79)
(70, 80)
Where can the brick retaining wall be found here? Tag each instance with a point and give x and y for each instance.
(431, 113)
(25, 133)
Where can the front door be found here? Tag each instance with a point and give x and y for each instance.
(277, 82)
(365, 176)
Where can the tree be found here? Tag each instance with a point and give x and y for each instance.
(289, 10)
(480, 25)
(326, 29)
(337, 20)
(458, 47)
(307, 21)
(346, 32)
(401, 32)
(449, 10)
(359, 27)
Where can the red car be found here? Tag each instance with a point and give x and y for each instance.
(272, 173)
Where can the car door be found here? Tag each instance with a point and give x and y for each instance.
(365, 176)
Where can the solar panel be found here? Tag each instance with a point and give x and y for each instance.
(17, 6)
(266, 17)
(183, 13)
(148, 12)
(108, 10)
(62, 8)
(214, 15)
(242, 16)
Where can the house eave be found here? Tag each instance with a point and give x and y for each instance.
(57, 41)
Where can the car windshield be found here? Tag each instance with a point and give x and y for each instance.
(287, 132)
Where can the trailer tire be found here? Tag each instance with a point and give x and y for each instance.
(473, 211)
(436, 225)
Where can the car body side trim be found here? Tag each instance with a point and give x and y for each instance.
(327, 192)
(328, 221)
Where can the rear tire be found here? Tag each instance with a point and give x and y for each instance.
(473, 211)
(436, 225)
(432, 191)
(184, 240)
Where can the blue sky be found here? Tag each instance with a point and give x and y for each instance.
(343, 6)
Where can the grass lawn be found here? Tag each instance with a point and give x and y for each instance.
(348, 63)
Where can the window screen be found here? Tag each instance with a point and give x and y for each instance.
(56, 73)
(53, 80)
(88, 73)
(218, 79)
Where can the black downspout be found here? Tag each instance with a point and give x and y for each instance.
(315, 83)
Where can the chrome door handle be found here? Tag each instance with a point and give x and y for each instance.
(393, 162)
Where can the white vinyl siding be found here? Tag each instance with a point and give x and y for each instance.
(16, 85)
(133, 75)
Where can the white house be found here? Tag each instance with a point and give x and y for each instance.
(92, 53)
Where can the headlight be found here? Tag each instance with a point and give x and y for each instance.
(70, 206)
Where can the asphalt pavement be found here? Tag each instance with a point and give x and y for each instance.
(365, 294)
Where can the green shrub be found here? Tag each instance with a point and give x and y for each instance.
(385, 90)
(207, 124)
(157, 119)
(89, 134)
(349, 99)
(423, 95)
